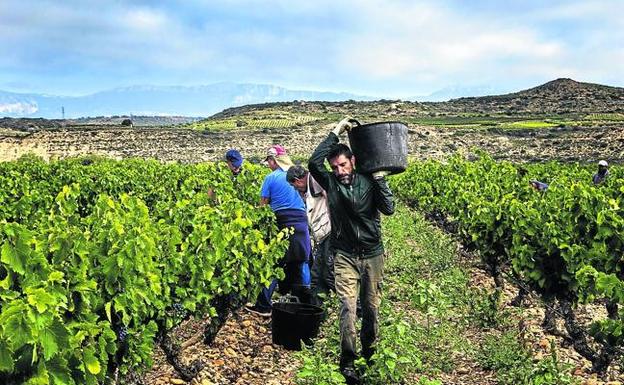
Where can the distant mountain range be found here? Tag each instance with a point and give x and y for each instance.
(155, 101)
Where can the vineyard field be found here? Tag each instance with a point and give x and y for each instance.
(100, 259)
(565, 243)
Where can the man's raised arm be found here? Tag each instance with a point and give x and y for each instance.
(316, 164)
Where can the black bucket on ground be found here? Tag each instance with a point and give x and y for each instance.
(379, 146)
(295, 322)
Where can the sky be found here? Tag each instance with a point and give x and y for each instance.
(383, 48)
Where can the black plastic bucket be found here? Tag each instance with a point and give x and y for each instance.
(379, 147)
(294, 322)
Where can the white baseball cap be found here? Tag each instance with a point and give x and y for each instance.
(603, 163)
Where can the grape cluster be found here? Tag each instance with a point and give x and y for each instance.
(122, 334)
(179, 311)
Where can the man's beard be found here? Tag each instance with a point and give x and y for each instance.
(346, 179)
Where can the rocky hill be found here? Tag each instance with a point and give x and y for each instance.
(561, 96)
(558, 97)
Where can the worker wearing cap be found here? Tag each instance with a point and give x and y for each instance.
(537, 185)
(290, 212)
(603, 172)
(234, 161)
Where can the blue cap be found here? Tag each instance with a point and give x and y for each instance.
(235, 157)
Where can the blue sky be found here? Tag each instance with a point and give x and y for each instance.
(386, 48)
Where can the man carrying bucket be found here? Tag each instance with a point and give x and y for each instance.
(355, 201)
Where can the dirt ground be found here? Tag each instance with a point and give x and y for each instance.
(583, 144)
(243, 352)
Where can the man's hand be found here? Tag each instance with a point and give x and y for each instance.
(380, 174)
(343, 125)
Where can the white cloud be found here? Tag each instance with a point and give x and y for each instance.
(18, 108)
(365, 46)
(437, 40)
(145, 19)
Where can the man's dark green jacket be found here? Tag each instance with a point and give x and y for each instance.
(354, 209)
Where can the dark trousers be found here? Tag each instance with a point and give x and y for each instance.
(296, 282)
(322, 269)
(263, 301)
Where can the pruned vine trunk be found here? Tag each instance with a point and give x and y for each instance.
(549, 324)
(577, 335)
(520, 297)
(172, 353)
(612, 309)
(223, 305)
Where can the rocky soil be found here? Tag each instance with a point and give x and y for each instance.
(583, 144)
(243, 352)
(528, 318)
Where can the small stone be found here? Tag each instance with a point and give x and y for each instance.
(206, 381)
(267, 349)
(177, 381)
(230, 352)
(463, 370)
(613, 383)
(246, 323)
(218, 362)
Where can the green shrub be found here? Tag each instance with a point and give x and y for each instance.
(396, 353)
(508, 357)
(484, 308)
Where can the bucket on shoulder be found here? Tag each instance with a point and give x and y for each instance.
(295, 322)
(379, 146)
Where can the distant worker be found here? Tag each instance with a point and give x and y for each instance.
(290, 211)
(317, 207)
(602, 174)
(355, 203)
(234, 161)
(537, 185)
